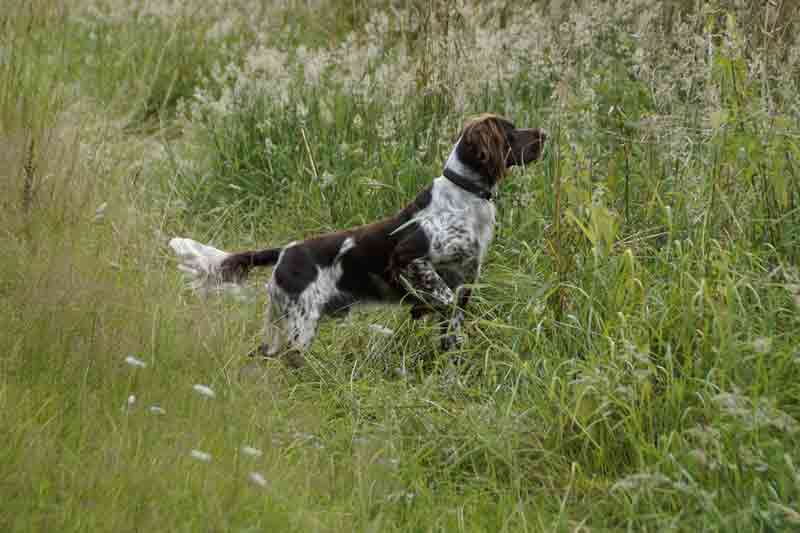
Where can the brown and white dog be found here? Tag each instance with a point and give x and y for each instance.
(424, 255)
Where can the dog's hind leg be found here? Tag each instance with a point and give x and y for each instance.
(289, 328)
(301, 328)
(274, 330)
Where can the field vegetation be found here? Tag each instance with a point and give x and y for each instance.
(633, 352)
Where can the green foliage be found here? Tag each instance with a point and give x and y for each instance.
(632, 358)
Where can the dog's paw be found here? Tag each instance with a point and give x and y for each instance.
(452, 341)
(262, 352)
(291, 357)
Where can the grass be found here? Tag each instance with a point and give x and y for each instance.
(632, 359)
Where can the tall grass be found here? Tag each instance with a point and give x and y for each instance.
(632, 357)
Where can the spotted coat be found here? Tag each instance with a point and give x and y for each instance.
(426, 255)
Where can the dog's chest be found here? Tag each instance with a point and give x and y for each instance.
(459, 225)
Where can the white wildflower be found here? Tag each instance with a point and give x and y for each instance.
(204, 390)
(251, 451)
(100, 212)
(641, 480)
(156, 410)
(201, 456)
(762, 344)
(327, 179)
(258, 479)
(375, 184)
(135, 362)
(131, 401)
(383, 330)
(401, 496)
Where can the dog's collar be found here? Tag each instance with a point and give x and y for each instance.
(467, 185)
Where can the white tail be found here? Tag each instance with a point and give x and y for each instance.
(200, 264)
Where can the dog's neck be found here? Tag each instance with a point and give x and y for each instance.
(466, 177)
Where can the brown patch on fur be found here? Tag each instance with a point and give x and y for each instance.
(485, 138)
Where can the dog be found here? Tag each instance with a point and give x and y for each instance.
(426, 255)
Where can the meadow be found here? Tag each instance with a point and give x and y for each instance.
(633, 346)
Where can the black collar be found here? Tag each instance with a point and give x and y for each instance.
(467, 185)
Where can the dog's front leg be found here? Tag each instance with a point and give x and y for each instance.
(452, 336)
(451, 329)
(421, 280)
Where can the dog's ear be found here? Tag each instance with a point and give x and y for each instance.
(483, 147)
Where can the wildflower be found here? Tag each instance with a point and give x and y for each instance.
(156, 410)
(383, 330)
(640, 480)
(100, 212)
(401, 496)
(258, 479)
(201, 456)
(252, 452)
(762, 344)
(135, 362)
(131, 401)
(327, 179)
(204, 390)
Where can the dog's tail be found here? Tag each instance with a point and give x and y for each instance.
(212, 270)
(237, 265)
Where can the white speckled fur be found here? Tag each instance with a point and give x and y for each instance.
(295, 321)
(456, 221)
(200, 263)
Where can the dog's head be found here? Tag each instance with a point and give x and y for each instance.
(490, 144)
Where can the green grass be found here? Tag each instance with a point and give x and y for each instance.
(632, 360)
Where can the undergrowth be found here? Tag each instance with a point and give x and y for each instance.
(631, 361)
